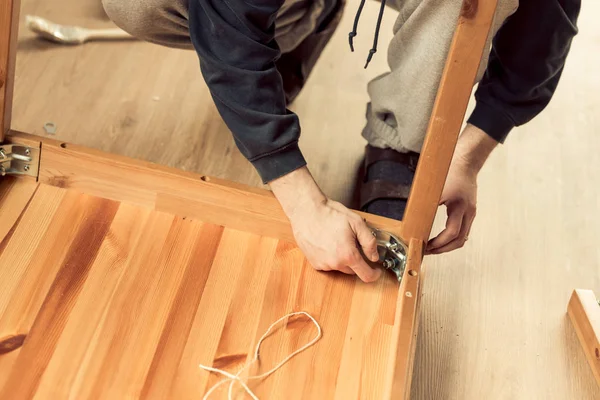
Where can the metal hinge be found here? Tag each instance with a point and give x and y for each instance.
(392, 252)
(18, 159)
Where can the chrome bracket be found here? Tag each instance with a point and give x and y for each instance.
(17, 159)
(392, 251)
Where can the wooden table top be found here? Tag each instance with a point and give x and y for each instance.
(118, 301)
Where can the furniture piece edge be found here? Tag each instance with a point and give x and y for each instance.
(167, 189)
(456, 84)
(584, 312)
(9, 31)
(406, 323)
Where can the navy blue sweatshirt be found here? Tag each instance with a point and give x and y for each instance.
(235, 42)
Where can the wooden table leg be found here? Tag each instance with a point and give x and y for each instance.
(9, 19)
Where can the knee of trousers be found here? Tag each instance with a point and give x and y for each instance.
(140, 18)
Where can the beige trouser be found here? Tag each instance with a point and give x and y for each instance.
(401, 100)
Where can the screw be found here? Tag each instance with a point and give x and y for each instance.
(389, 263)
(27, 152)
(26, 167)
(2, 154)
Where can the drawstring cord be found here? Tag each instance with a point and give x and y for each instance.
(353, 34)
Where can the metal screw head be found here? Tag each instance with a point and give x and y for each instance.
(26, 167)
(27, 152)
(2, 154)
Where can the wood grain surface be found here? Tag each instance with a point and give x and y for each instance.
(119, 301)
(165, 189)
(584, 312)
(445, 123)
(493, 320)
(9, 17)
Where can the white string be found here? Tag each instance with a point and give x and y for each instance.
(232, 379)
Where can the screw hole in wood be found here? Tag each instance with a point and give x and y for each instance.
(597, 353)
(205, 178)
(63, 145)
(412, 272)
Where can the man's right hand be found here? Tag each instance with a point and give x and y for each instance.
(326, 231)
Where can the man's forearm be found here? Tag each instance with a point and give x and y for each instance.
(235, 42)
(297, 191)
(473, 148)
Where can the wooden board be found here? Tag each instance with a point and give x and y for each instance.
(458, 78)
(117, 300)
(9, 17)
(167, 189)
(584, 311)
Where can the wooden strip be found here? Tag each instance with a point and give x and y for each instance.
(41, 267)
(169, 190)
(404, 335)
(447, 116)
(23, 244)
(366, 344)
(177, 328)
(47, 328)
(585, 315)
(15, 260)
(79, 336)
(121, 318)
(15, 194)
(209, 321)
(326, 297)
(150, 299)
(9, 29)
(280, 299)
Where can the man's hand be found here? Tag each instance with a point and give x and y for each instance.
(460, 191)
(327, 232)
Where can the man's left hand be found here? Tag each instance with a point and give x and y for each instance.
(460, 191)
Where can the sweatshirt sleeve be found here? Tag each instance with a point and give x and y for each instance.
(527, 58)
(235, 42)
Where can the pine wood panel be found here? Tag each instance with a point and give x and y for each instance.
(584, 311)
(9, 17)
(167, 189)
(121, 301)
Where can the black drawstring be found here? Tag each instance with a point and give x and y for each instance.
(374, 49)
(352, 34)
